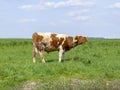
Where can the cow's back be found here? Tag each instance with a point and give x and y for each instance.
(37, 38)
(44, 37)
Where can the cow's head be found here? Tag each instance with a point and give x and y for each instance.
(80, 40)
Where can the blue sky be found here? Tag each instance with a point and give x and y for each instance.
(92, 18)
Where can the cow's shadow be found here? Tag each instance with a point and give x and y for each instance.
(63, 60)
(51, 60)
(71, 59)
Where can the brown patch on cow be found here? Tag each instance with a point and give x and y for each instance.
(54, 41)
(36, 39)
(68, 44)
(70, 41)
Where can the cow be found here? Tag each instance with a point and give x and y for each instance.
(48, 42)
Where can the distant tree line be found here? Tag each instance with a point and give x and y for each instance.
(96, 37)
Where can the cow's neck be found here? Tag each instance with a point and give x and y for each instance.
(74, 44)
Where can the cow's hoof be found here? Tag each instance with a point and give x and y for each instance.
(34, 62)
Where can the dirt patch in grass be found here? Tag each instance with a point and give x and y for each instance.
(73, 84)
(30, 85)
(113, 85)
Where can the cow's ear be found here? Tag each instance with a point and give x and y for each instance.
(75, 40)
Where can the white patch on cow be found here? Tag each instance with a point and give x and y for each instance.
(35, 48)
(46, 38)
(57, 43)
(42, 56)
(34, 60)
(61, 35)
(44, 34)
(61, 51)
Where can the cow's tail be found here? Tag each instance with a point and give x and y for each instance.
(34, 38)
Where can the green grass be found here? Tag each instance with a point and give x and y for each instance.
(93, 65)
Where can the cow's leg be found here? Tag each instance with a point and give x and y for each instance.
(42, 56)
(61, 51)
(64, 55)
(34, 54)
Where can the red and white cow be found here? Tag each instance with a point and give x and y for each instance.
(54, 42)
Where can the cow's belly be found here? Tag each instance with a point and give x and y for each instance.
(50, 49)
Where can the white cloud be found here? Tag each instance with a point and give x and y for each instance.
(74, 13)
(66, 3)
(27, 20)
(82, 17)
(26, 6)
(115, 5)
(79, 14)
(55, 23)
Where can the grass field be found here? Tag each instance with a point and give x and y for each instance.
(94, 65)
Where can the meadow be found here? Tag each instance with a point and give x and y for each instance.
(94, 65)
